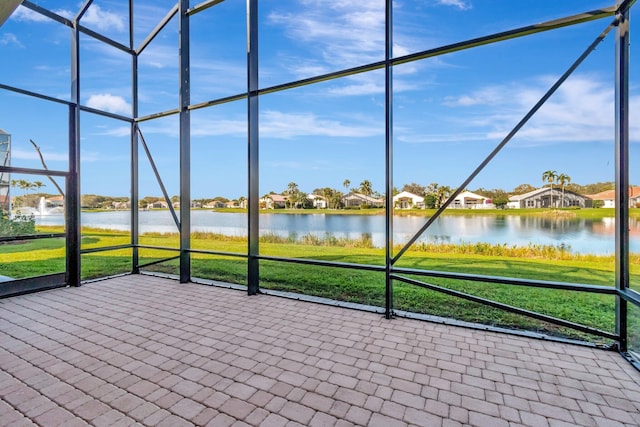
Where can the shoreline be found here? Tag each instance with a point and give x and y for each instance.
(584, 213)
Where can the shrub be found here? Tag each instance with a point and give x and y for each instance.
(18, 225)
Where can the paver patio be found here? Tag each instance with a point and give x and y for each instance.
(142, 350)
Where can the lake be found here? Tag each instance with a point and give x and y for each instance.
(579, 235)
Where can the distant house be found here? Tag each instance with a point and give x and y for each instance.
(407, 200)
(469, 200)
(546, 197)
(121, 205)
(55, 202)
(354, 200)
(242, 204)
(215, 204)
(160, 204)
(274, 201)
(317, 201)
(608, 197)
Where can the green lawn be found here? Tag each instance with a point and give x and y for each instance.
(367, 287)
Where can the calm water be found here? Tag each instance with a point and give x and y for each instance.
(580, 235)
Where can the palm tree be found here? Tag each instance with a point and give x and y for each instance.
(431, 195)
(550, 176)
(291, 193)
(335, 199)
(299, 199)
(563, 179)
(366, 187)
(443, 192)
(346, 184)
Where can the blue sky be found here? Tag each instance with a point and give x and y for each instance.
(449, 111)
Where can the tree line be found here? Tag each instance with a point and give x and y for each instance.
(434, 193)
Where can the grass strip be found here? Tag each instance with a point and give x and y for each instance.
(37, 257)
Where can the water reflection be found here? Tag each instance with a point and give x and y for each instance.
(594, 236)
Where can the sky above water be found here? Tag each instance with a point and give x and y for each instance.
(449, 111)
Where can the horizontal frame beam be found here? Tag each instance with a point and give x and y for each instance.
(30, 171)
(34, 94)
(508, 308)
(595, 289)
(218, 253)
(31, 237)
(105, 249)
(32, 284)
(160, 261)
(162, 248)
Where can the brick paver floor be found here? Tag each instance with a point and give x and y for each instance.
(141, 350)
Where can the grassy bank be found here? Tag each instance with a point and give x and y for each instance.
(367, 287)
(588, 213)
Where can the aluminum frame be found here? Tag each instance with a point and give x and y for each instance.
(621, 291)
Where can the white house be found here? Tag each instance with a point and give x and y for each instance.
(274, 201)
(546, 197)
(407, 200)
(469, 200)
(608, 197)
(356, 200)
(214, 204)
(317, 201)
(160, 204)
(239, 203)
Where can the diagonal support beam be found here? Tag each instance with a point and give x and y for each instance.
(508, 308)
(158, 178)
(203, 6)
(509, 136)
(6, 9)
(152, 35)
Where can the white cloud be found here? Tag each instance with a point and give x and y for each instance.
(95, 17)
(276, 124)
(33, 155)
(10, 39)
(217, 78)
(120, 131)
(327, 36)
(23, 14)
(346, 33)
(362, 88)
(460, 4)
(582, 110)
(103, 20)
(230, 127)
(159, 56)
(492, 95)
(371, 83)
(109, 103)
(421, 138)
